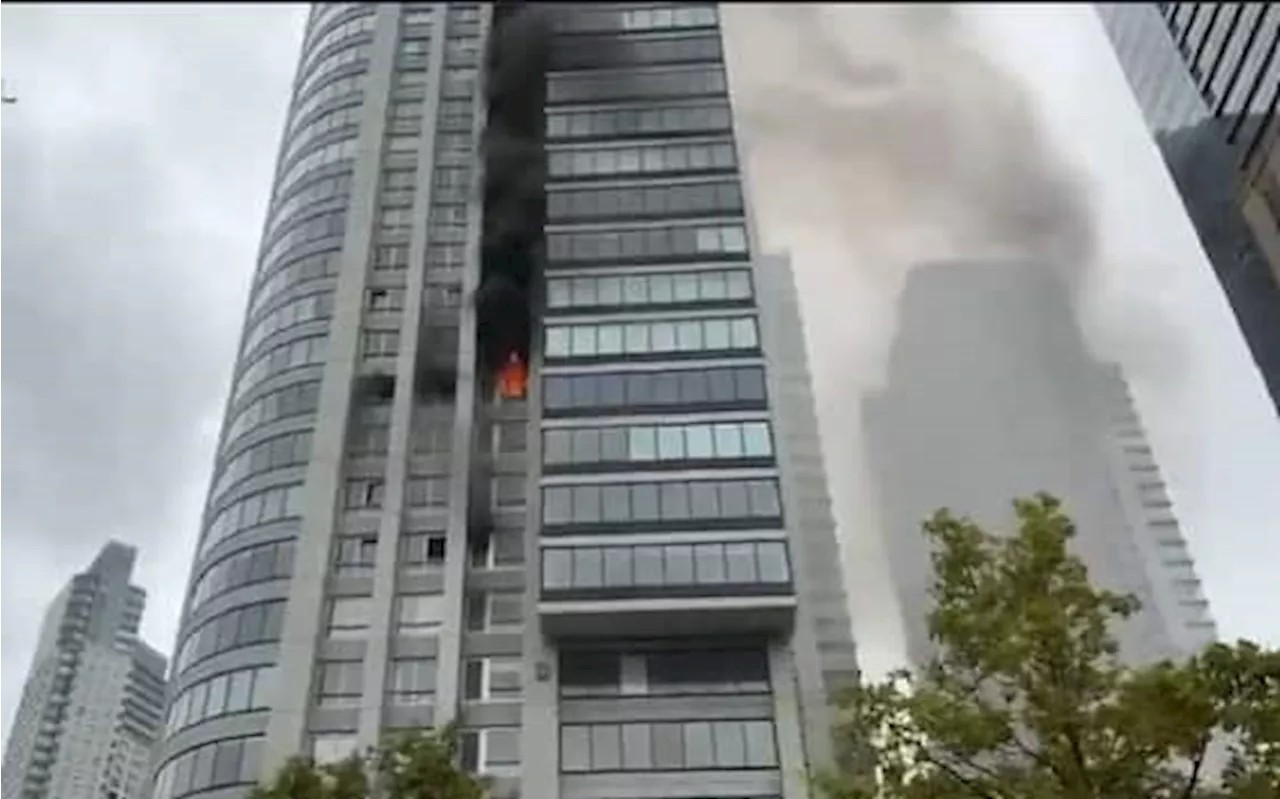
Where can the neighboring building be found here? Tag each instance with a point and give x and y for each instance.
(991, 395)
(583, 514)
(1207, 76)
(91, 708)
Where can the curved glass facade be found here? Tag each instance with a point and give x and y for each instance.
(382, 490)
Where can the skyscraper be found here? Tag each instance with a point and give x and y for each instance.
(1207, 77)
(91, 707)
(991, 395)
(520, 431)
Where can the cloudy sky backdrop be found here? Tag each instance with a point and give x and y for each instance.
(136, 167)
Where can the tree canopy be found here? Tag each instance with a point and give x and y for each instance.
(1027, 696)
(421, 764)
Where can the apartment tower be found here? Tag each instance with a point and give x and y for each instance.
(92, 705)
(991, 395)
(520, 432)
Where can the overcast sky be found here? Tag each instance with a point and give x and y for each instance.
(136, 167)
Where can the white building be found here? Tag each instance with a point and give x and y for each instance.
(991, 395)
(91, 707)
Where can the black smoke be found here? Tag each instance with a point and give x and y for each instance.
(512, 244)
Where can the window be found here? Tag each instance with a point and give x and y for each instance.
(241, 626)
(493, 750)
(290, 273)
(364, 493)
(741, 386)
(418, 613)
(427, 492)
(658, 17)
(400, 179)
(495, 611)
(256, 564)
(385, 299)
(510, 436)
(502, 547)
(666, 505)
(596, 86)
(432, 436)
(410, 77)
(650, 120)
(643, 159)
(508, 490)
(458, 83)
(339, 683)
(237, 691)
(492, 679)
(225, 763)
(668, 243)
(636, 569)
(686, 745)
(668, 49)
(380, 343)
(332, 748)
(368, 439)
(462, 52)
(349, 616)
(293, 400)
(422, 550)
(273, 453)
(394, 256)
(654, 289)
(270, 505)
(352, 555)
(412, 681)
(655, 201)
(395, 220)
(665, 338)
(415, 47)
(445, 258)
(597, 446)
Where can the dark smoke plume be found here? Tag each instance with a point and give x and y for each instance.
(512, 247)
(521, 50)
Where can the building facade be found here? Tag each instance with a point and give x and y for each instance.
(92, 704)
(1207, 77)
(520, 432)
(991, 395)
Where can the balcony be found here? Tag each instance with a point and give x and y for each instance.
(666, 589)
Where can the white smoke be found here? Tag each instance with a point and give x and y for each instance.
(878, 138)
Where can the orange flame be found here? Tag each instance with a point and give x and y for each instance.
(513, 378)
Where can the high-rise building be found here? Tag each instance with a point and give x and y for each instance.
(520, 432)
(991, 395)
(1207, 77)
(91, 708)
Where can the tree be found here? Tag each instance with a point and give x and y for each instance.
(1026, 695)
(422, 764)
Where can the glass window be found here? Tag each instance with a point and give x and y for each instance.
(678, 565)
(419, 612)
(588, 568)
(648, 565)
(606, 747)
(756, 439)
(671, 443)
(698, 439)
(730, 744)
(575, 748)
(728, 438)
(772, 558)
(709, 562)
(764, 498)
(557, 569)
(761, 750)
(348, 617)
(668, 746)
(642, 444)
(636, 749)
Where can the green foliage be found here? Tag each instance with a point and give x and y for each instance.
(422, 764)
(1027, 697)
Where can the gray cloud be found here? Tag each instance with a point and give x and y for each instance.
(136, 165)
